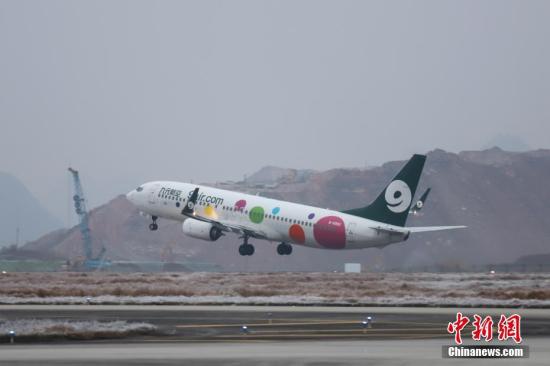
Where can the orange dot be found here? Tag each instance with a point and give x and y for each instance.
(297, 234)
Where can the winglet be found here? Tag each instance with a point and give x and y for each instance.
(420, 203)
(189, 209)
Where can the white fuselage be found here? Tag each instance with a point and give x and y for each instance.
(276, 220)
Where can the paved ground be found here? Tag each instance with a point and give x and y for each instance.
(205, 335)
(366, 352)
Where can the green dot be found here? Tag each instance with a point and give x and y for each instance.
(256, 215)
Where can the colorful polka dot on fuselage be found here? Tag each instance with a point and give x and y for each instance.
(276, 210)
(209, 211)
(256, 215)
(240, 204)
(311, 216)
(330, 232)
(297, 234)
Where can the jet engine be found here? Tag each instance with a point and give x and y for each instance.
(201, 230)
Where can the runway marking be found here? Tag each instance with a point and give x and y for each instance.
(385, 336)
(370, 330)
(418, 323)
(265, 338)
(262, 324)
(277, 324)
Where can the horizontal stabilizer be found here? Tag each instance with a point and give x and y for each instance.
(422, 229)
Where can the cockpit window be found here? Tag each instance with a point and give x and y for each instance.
(139, 189)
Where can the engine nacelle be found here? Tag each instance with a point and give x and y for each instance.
(201, 230)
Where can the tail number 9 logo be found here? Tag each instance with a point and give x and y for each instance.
(398, 196)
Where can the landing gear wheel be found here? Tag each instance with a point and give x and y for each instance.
(284, 249)
(153, 226)
(242, 249)
(246, 249)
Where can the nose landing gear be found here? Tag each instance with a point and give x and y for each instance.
(284, 249)
(153, 226)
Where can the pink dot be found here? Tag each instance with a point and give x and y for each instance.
(240, 204)
(330, 232)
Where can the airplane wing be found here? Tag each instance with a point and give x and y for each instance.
(390, 230)
(422, 229)
(189, 211)
(409, 230)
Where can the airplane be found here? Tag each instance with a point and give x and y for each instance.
(208, 213)
(415, 209)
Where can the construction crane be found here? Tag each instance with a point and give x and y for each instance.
(83, 223)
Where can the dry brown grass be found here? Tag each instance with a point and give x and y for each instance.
(326, 285)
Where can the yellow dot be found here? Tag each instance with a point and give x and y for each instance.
(209, 211)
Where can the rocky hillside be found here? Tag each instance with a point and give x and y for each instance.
(19, 208)
(503, 197)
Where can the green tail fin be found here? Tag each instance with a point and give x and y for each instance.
(392, 205)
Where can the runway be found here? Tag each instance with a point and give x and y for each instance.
(373, 352)
(223, 323)
(276, 335)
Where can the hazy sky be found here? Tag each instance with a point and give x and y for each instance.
(131, 91)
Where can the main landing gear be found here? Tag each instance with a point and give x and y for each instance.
(245, 248)
(284, 249)
(153, 226)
